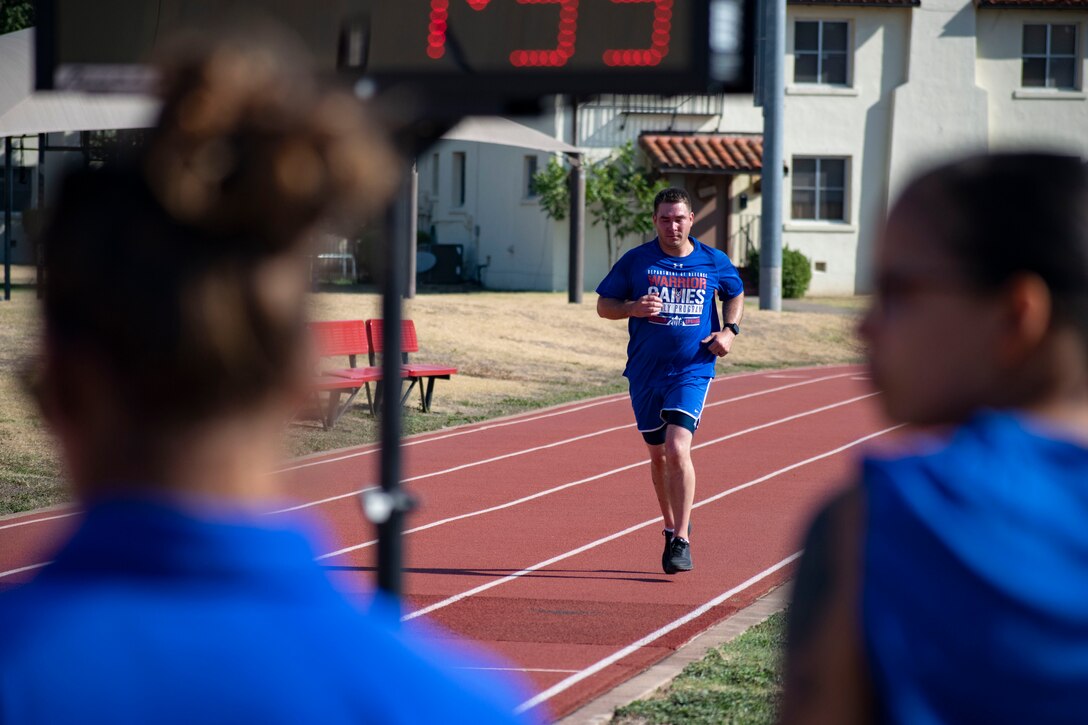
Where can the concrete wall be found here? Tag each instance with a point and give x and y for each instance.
(1021, 117)
(850, 122)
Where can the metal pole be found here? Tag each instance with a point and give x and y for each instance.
(39, 261)
(413, 231)
(577, 265)
(9, 202)
(774, 77)
(390, 551)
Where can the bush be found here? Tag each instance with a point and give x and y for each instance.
(796, 272)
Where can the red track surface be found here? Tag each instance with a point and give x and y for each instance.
(539, 535)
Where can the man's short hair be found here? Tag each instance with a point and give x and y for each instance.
(672, 195)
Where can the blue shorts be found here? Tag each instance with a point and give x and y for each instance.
(685, 395)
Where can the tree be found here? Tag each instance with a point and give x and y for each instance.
(619, 195)
(16, 15)
(552, 189)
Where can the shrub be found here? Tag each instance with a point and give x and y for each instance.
(796, 272)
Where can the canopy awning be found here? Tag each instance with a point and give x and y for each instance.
(24, 111)
(503, 131)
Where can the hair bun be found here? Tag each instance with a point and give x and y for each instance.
(249, 148)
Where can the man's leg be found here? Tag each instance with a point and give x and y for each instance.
(657, 474)
(679, 476)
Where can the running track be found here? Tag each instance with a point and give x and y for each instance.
(539, 536)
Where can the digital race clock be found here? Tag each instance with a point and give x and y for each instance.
(500, 48)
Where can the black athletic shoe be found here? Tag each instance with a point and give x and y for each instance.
(680, 555)
(667, 552)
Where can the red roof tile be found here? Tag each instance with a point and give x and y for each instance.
(707, 152)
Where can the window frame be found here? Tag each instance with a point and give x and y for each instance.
(1047, 56)
(459, 178)
(819, 191)
(530, 166)
(847, 53)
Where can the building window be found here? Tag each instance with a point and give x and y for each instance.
(434, 175)
(1050, 57)
(458, 178)
(820, 52)
(819, 189)
(530, 171)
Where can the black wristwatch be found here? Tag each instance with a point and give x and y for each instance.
(732, 326)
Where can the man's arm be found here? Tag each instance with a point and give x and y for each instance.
(721, 342)
(613, 309)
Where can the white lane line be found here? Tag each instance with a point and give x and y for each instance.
(38, 521)
(418, 441)
(630, 529)
(652, 636)
(562, 487)
(20, 570)
(787, 376)
(454, 434)
(556, 489)
(614, 398)
(536, 449)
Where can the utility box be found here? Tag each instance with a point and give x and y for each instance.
(449, 262)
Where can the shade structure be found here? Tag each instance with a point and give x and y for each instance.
(503, 131)
(24, 111)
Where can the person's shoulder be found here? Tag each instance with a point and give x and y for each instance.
(32, 618)
(983, 434)
(718, 256)
(455, 678)
(646, 249)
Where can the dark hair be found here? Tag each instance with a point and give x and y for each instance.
(1002, 215)
(181, 276)
(672, 195)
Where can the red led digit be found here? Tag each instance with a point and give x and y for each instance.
(436, 30)
(659, 39)
(564, 47)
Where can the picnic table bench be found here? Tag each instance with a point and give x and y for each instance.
(353, 339)
(414, 372)
(342, 338)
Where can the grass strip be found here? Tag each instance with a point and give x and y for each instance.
(738, 683)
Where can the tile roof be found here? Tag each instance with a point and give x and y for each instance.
(1045, 4)
(863, 3)
(706, 152)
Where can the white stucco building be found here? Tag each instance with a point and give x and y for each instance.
(875, 90)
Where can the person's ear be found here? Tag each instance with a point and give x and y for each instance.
(1026, 316)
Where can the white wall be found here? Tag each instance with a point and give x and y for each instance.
(852, 122)
(499, 225)
(941, 111)
(1036, 118)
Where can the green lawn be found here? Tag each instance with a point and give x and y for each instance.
(736, 684)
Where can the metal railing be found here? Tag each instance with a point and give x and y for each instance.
(696, 105)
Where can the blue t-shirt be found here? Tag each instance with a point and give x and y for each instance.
(975, 583)
(153, 615)
(671, 343)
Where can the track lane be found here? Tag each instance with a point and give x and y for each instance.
(544, 620)
(29, 544)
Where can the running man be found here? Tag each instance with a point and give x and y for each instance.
(665, 289)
